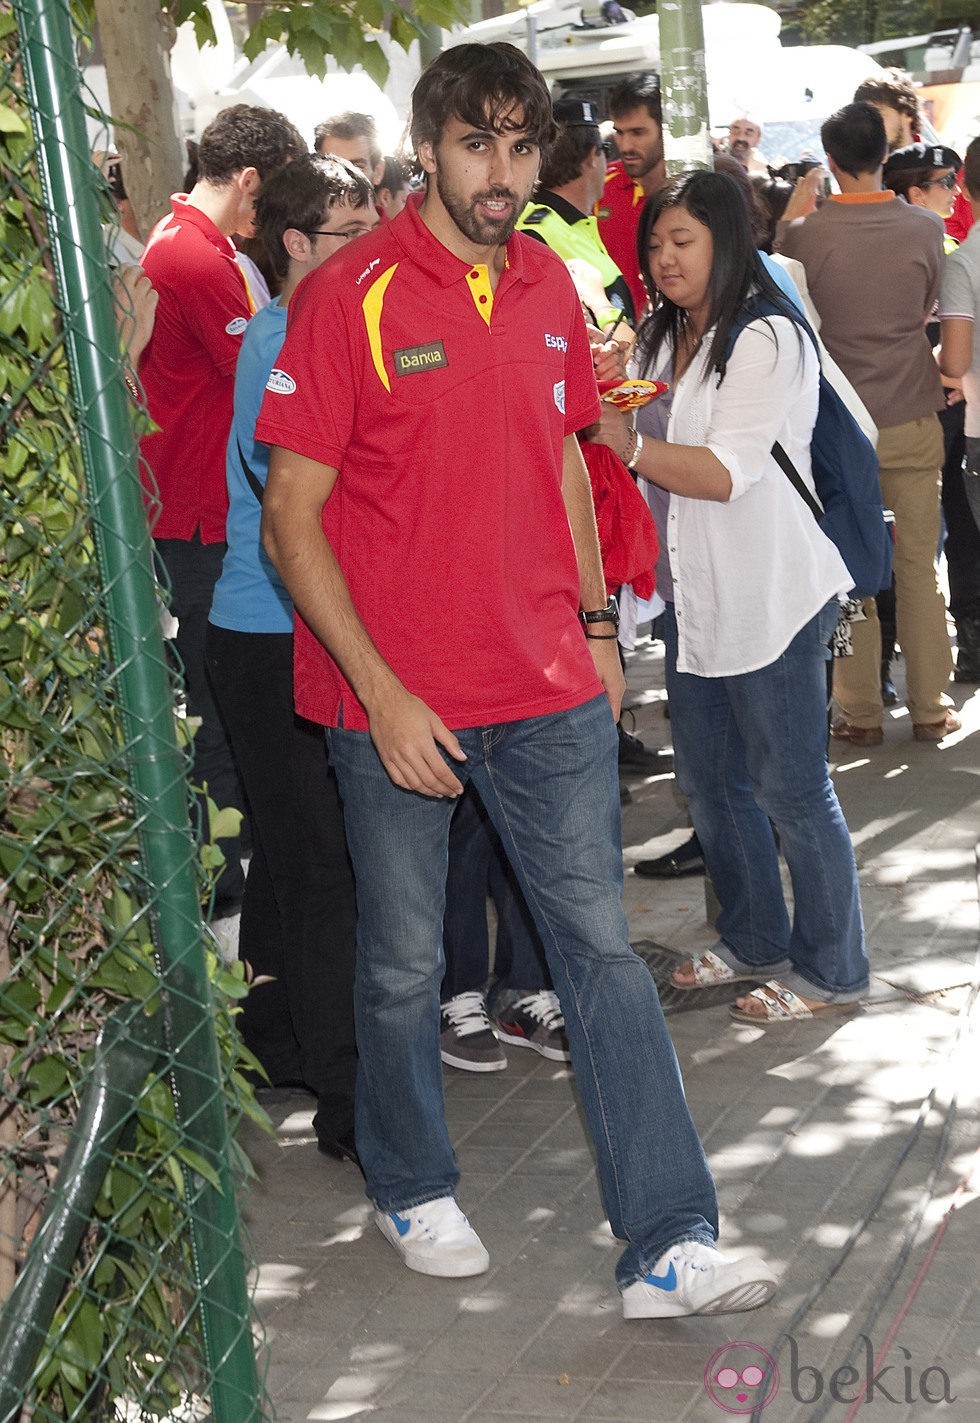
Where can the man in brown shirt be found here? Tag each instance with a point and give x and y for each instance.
(873, 267)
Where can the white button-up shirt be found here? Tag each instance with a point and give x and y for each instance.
(751, 572)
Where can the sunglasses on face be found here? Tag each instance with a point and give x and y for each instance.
(948, 182)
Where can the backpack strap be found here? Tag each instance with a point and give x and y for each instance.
(757, 308)
(793, 475)
(251, 478)
(761, 307)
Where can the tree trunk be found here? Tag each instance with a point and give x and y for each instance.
(136, 38)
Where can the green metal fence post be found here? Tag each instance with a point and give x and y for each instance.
(685, 90)
(158, 780)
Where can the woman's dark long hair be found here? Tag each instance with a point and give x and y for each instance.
(737, 270)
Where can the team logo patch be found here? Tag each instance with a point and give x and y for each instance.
(603, 213)
(560, 395)
(236, 327)
(280, 383)
(412, 359)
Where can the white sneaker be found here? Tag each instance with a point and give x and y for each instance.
(692, 1278)
(435, 1239)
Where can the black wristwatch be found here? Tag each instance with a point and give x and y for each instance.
(608, 614)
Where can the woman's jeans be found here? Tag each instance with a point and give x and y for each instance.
(750, 750)
(551, 788)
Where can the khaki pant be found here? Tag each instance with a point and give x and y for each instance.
(910, 457)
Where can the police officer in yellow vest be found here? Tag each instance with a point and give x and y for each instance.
(572, 179)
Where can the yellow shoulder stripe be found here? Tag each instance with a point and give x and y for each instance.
(371, 306)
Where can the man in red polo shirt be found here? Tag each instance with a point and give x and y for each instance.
(634, 107)
(429, 511)
(188, 373)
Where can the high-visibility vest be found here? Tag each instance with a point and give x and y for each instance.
(571, 233)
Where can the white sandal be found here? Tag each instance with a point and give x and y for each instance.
(712, 972)
(782, 1005)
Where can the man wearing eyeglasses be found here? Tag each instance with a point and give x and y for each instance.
(873, 266)
(298, 917)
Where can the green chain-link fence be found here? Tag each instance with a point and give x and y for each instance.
(122, 1276)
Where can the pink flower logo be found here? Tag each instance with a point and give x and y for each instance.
(741, 1377)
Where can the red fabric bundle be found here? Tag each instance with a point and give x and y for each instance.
(627, 533)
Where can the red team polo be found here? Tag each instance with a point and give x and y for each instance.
(618, 213)
(188, 369)
(444, 406)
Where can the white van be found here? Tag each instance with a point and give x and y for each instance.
(790, 90)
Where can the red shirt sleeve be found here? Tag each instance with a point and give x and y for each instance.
(204, 291)
(320, 354)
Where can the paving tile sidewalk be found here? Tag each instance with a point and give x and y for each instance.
(839, 1148)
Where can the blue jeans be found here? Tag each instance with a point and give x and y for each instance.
(750, 750)
(551, 788)
(476, 862)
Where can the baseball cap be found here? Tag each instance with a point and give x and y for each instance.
(921, 155)
(576, 113)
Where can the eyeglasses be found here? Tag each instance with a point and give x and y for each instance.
(345, 234)
(948, 182)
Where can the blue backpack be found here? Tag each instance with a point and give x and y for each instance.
(845, 472)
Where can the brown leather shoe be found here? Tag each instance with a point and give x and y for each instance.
(856, 735)
(936, 730)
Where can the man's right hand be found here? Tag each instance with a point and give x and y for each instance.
(406, 735)
(807, 191)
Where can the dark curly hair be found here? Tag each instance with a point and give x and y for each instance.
(637, 91)
(893, 90)
(246, 136)
(297, 196)
(480, 84)
(564, 159)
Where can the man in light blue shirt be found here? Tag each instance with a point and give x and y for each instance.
(298, 916)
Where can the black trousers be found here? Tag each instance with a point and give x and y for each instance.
(962, 546)
(298, 916)
(192, 569)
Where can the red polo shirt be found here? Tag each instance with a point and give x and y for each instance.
(188, 369)
(618, 212)
(444, 406)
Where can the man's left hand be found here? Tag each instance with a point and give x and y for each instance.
(605, 655)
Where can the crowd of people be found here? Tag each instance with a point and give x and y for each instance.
(394, 560)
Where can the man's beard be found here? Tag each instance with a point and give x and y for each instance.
(648, 164)
(481, 231)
